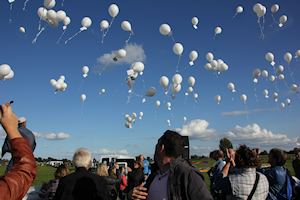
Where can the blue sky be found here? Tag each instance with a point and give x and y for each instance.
(62, 124)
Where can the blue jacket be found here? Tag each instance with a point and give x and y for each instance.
(146, 167)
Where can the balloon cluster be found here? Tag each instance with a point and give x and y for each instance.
(215, 65)
(6, 72)
(131, 119)
(176, 86)
(136, 68)
(59, 84)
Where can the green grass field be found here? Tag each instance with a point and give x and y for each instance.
(46, 173)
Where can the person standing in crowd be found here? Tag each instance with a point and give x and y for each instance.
(22, 123)
(244, 182)
(147, 170)
(123, 184)
(136, 175)
(48, 190)
(82, 184)
(276, 174)
(173, 179)
(216, 169)
(15, 184)
(296, 164)
(111, 182)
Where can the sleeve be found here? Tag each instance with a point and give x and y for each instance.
(44, 192)
(223, 183)
(197, 188)
(124, 180)
(111, 181)
(15, 183)
(149, 168)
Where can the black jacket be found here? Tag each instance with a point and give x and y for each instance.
(184, 182)
(82, 184)
(135, 178)
(111, 184)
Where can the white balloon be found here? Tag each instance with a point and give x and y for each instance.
(10, 75)
(121, 53)
(60, 15)
(288, 101)
(51, 15)
(195, 20)
(168, 121)
(257, 7)
(230, 86)
(53, 24)
(63, 86)
(126, 117)
(85, 69)
(113, 10)
(164, 81)
(195, 95)
(22, 29)
(214, 63)
(62, 77)
(209, 56)
(177, 79)
(176, 88)
(193, 55)
(57, 86)
(53, 82)
(266, 92)
(281, 77)
(66, 21)
(83, 97)
(279, 69)
(218, 98)
(294, 87)
(297, 53)
(86, 22)
(191, 80)
(190, 89)
(103, 90)
(243, 97)
(49, 3)
(60, 81)
(178, 48)
(208, 66)
(274, 8)
(282, 105)
(223, 67)
(157, 103)
(137, 67)
(256, 73)
(239, 9)
(104, 24)
(165, 29)
(184, 119)
(141, 114)
(272, 78)
(168, 104)
(218, 30)
(275, 95)
(126, 26)
(262, 12)
(42, 13)
(133, 115)
(129, 81)
(269, 57)
(128, 125)
(151, 92)
(283, 19)
(4, 69)
(288, 57)
(265, 73)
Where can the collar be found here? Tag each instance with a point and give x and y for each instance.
(80, 169)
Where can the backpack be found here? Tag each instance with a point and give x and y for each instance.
(286, 191)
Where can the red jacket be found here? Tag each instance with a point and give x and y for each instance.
(15, 183)
(123, 183)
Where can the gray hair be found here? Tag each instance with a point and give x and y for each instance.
(82, 157)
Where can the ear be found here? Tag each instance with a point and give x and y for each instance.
(162, 148)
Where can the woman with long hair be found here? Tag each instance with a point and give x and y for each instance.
(135, 175)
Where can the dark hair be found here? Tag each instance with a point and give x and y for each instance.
(244, 157)
(173, 143)
(121, 168)
(219, 153)
(61, 171)
(140, 164)
(279, 155)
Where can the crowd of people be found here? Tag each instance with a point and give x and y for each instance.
(237, 175)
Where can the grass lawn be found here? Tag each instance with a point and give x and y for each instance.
(46, 173)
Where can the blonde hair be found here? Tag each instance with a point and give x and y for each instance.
(61, 171)
(102, 169)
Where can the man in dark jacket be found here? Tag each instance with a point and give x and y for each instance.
(173, 179)
(82, 184)
(22, 123)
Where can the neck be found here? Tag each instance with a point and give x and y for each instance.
(165, 165)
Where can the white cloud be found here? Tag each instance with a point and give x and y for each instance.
(253, 135)
(244, 112)
(197, 130)
(149, 138)
(201, 150)
(105, 151)
(52, 136)
(45, 146)
(134, 53)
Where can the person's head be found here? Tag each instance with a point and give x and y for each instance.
(297, 154)
(169, 145)
(244, 157)
(102, 169)
(22, 121)
(82, 158)
(218, 155)
(141, 157)
(138, 164)
(277, 157)
(61, 171)
(231, 153)
(122, 170)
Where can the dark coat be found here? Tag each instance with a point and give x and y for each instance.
(111, 184)
(82, 184)
(135, 178)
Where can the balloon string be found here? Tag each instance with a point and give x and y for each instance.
(143, 81)
(195, 103)
(128, 98)
(119, 87)
(61, 36)
(178, 64)
(172, 38)
(104, 68)
(128, 38)
(137, 94)
(261, 27)
(185, 99)
(62, 4)
(82, 108)
(234, 15)
(104, 33)
(291, 75)
(37, 35)
(80, 85)
(172, 113)
(39, 28)
(72, 37)
(287, 86)
(246, 110)
(255, 92)
(293, 71)
(285, 112)
(10, 9)
(25, 3)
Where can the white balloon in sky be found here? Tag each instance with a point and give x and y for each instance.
(86, 22)
(265, 73)
(66, 21)
(176, 88)
(60, 15)
(288, 57)
(113, 10)
(49, 3)
(151, 92)
(177, 79)
(193, 55)
(208, 66)
(266, 92)
(281, 77)
(256, 73)
(126, 26)
(272, 78)
(10, 75)
(165, 29)
(4, 69)
(279, 69)
(178, 48)
(195, 20)
(257, 7)
(275, 95)
(297, 53)
(195, 95)
(218, 98)
(230, 86)
(103, 90)
(121, 53)
(168, 104)
(157, 103)
(42, 13)
(282, 105)
(164, 81)
(294, 87)
(209, 56)
(184, 119)
(168, 121)
(53, 23)
(288, 101)
(191, 80)
(22, 29)
(239, 9)
(126, 117)
(133, 115)
(274, 8)
(52, 82)
(104, 24)
(141, 114)
(223, 67)
(218, 30)
(85, 70)
(283, 19)
(83, 97)
(190, 89)
(51, 15)
(269, 57)
(137, 67)
(243, 97)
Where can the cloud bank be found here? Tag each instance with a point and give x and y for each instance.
(105, 151)
(244, 112)
(197, 130)
(52, 136)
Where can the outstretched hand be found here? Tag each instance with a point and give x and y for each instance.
(9, 121)
(139, 192)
